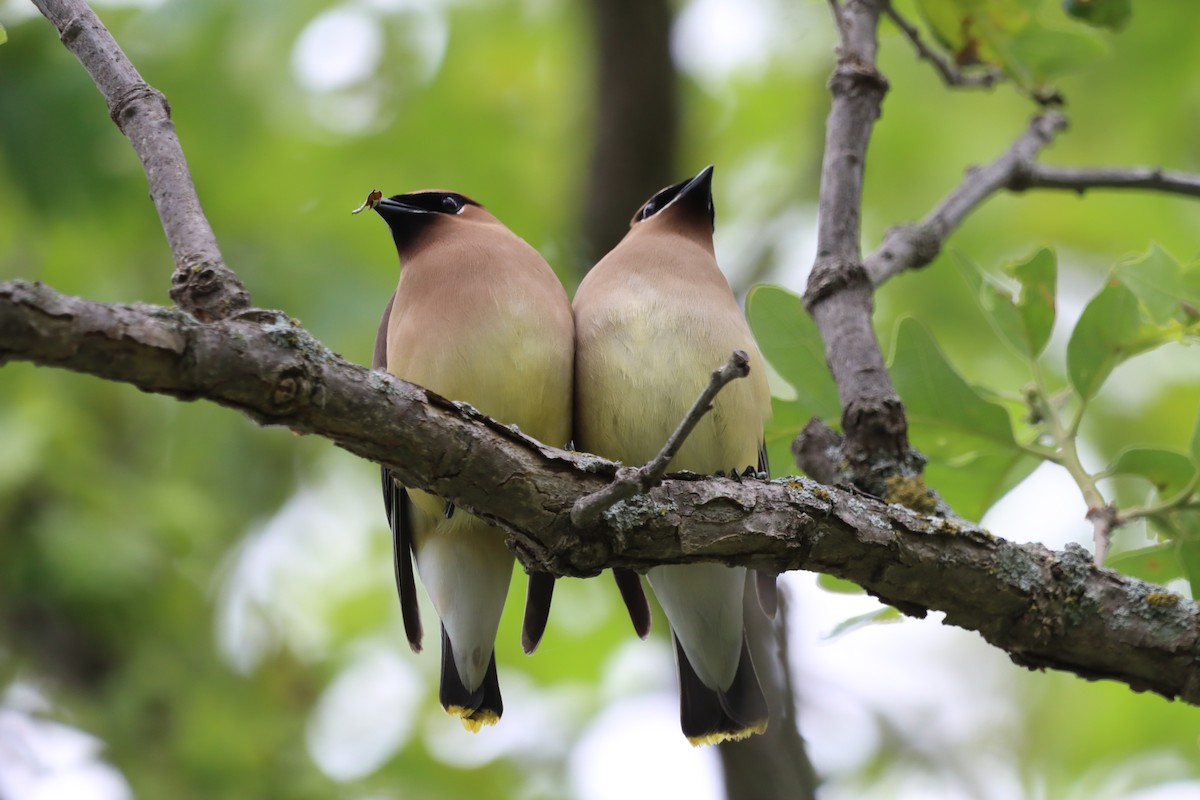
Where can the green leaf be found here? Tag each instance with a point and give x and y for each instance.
(935, 394)
(974, 481)
(3, 35)
(973, 457)
(879, 615)
(1189, 557)
(1158, 282)
(1168, 471)
(788, 418)
(1038, 276)
(1033, 47)
(1025, 322)
(1102, 338)
(1042, 52)
(1111, 14)
(1157, 564)
(789, 339)
(976, 31)
(838, 585)
(1191, 291)
(1196, 444)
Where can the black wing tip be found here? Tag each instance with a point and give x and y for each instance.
(629, 584)
(398, 508)
(538, 598)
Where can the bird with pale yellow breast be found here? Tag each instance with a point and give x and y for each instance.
(652, 320)
(480, 317)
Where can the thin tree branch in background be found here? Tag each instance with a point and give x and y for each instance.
(775, 765)
(1017, 169)
(636, 119)
(839, 291)
(202, 285)
(914, 246)
(1080, 179)
(635, 480)
(1045, 609)
(950, 73)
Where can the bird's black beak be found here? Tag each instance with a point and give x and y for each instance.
(696, 195)
(393, 210)
(700, 185)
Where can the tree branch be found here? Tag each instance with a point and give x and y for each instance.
(950, 73)
(1080, 179)
(839, 291)
(202, 285)
(1045, 609)
(914, 246)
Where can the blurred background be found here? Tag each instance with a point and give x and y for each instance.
(192, 606)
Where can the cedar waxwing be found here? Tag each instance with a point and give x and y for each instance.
(653, 319)
(478, 316)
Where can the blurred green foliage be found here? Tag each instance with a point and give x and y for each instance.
(125, 518)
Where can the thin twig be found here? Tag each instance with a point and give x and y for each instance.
(915, 245)
(1017, 170)
(636, 480)
(1080, 179)
(1182, 500)
(950, 73)
(202, 285)
(1104, 521)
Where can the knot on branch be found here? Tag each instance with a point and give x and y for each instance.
(926, 244)
(69, 32)
(818, 451)
(1021, 176)
(208, 291)
(876, 445)
(128, 103)
(918, 245)
(831, 276)
(1049, 124)
(291, 385)
(855, 77)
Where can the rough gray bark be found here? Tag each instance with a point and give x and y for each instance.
(839, 293)
(1046, 609)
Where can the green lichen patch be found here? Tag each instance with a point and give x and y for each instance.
(1169, 599)
(910, 491)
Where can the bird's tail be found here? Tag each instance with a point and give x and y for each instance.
(474, 709)
(710, 716)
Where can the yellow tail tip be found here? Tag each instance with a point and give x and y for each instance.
(473, 719)
(728, 736)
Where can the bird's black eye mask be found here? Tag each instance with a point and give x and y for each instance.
(693, 196)
(660, 201)
(436, 202)
(419, 202)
